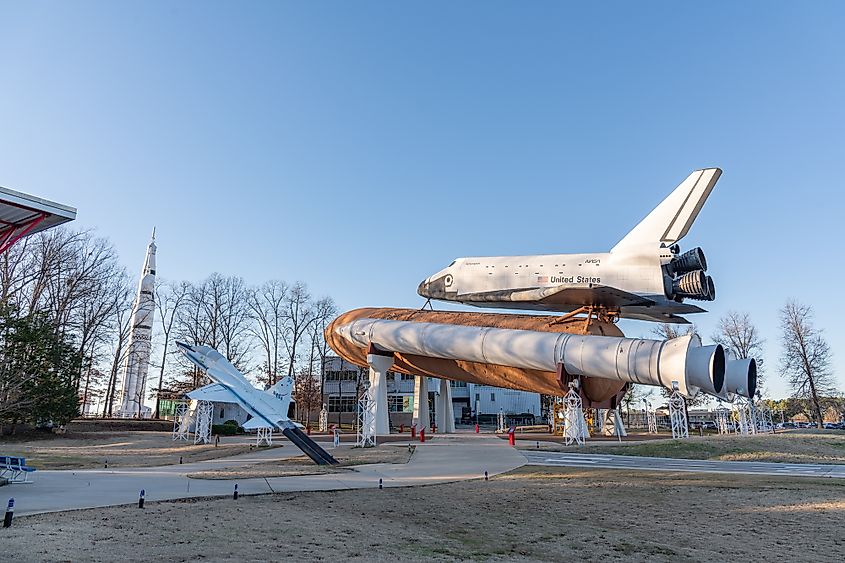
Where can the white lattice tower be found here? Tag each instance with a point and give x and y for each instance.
(763, 420)
(500, 421)
(181, 422)
(324, 419)
(678, 413)
(264, 437)
(651, 418)
(722, 419)
(742, 418)
(366, 437)
(202, 426)
(575, 427)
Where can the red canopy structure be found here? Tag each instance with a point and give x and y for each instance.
(22, 215)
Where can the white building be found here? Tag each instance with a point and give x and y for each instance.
(345, 381)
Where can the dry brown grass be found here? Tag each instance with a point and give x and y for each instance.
(532, 514)
(120, 449)
(801, 446)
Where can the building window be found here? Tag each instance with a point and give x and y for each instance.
(458, 383)
(342, 375)
(492, 397)
(478, 396)
(342, 404)
(222, 413)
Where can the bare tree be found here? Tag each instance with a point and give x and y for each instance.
(169, 298)
(669, 331)
(324, 312)
(737, 333)
(806, 357)
(123, 322)
(268, 306)
(299, 314)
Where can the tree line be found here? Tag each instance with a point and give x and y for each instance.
(65, 312)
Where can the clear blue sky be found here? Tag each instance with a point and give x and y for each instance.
(361, 146)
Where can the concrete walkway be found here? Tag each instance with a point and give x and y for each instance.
(441, 460)
(560, 459)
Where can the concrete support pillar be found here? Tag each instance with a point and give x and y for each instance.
(443, 413)
(421, 415)
(379, 365)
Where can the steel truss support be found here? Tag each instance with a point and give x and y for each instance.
(612, 424)
(575, 427)
(182, 422)
(557, 414)
(264, 437)
(651, 417)
(366, 421)
(722, 415)
(678, 413)
(202, 427)
(500, 422)
(324, 419)
(742, 412)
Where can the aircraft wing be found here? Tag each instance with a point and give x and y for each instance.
(215, 393)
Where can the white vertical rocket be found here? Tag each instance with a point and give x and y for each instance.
(138, 348)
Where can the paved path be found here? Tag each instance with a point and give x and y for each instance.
(560, 459)
(441, 460)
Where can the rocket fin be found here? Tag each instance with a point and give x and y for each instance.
(672, 218)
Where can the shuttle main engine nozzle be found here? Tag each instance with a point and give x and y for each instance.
(690, 261)
(695, 285)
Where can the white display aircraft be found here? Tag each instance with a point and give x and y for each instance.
(643, 277)
(267, 409)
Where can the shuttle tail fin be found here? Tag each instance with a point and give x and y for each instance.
(671, 220)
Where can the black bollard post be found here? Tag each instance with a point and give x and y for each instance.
(380, 484)
(10, 511)
(107, 464)
(141, 499)
(235, 496)
(486, 478)
(180, 460)
(538, 445)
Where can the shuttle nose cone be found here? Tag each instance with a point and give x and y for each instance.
(422, 290)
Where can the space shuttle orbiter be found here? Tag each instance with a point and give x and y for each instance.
(645, 276)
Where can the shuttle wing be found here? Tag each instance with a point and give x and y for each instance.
(671, 220)
(565, 295)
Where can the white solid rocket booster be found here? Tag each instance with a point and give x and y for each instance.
(138, 348)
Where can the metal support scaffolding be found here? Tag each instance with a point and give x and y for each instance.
(324, 419)
(557, 416)
(202, 428)
(366, 436)
(651, 418)
(182, 422)
(763, 418)
(722, 415)
(612, 424)
(264, 437)
(500, 422)
(575, 427)
(678, 413)
(742, 414)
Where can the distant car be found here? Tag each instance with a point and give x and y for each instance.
(833, 426)
(709, 425)
(785, 425)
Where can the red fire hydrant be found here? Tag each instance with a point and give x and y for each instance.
(413, 431)
(476, 428)
(422, 434)
(511, 436)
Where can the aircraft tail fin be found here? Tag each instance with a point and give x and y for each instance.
(672, 218)
(282, 391)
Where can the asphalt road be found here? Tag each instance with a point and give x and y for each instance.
(559, 459)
